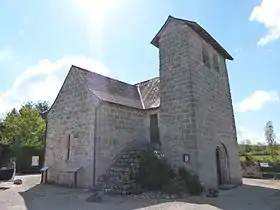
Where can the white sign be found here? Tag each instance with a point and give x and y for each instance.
(265, 165)
(186, 158)
(35, 161)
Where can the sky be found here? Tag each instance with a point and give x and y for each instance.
(40, 40)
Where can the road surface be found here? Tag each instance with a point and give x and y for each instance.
(254, 194)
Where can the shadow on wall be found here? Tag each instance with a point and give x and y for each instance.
(45, 197)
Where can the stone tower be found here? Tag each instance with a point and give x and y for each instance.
(196, 120)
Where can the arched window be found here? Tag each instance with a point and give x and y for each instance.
(205, 56)
(216, 63)
(68, 147)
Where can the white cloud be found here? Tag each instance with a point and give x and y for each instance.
(6, 54)
(256, 101)
(268, 13)
(43, 80)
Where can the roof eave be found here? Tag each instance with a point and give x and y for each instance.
(49, 110)
(155, 40)
(214, 42)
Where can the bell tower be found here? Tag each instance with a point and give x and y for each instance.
(196, 112)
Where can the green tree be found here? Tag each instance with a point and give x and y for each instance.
(246, 146)
(25, 127)
(260, 147)
(43, 107)
(270, 138)
(1, 130)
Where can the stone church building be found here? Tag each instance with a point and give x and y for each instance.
(186, 111)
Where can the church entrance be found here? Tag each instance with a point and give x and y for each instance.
(222, 165)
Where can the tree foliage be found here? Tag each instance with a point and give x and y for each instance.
(270, 138)
(42, 106)
(245, 146)
(23, 127)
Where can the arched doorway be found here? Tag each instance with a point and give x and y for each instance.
(222, 164)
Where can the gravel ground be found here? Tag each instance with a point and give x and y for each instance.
(254, 194)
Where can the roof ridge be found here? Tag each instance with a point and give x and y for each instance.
(146, 81)
(140, 96)
(92, 72)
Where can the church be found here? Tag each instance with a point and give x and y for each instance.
(187, 112)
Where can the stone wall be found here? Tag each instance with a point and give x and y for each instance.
(213, 110)
(196, 107)
(177, 121)
(71, 114)
(250, 169)
(117, 127)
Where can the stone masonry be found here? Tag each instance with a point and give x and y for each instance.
(95, 118)
(117, 127)
(72, 114)
(195, 103)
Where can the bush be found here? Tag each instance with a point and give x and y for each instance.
(175, 185)
(23, 157)
(137, 189)
(192, 182)
(155, 174)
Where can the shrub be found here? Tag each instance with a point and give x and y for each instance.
(153, 171)
(191, 181)
(137, 189)
(155, 174)
(175, 185)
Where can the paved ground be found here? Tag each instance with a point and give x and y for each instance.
(255, 194)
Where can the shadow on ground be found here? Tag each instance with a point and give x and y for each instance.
(245, 197)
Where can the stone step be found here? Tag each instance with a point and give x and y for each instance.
(120, 179)
(122, 164)
(128, 156)
(116, 182)
(119, 168)
(118, 175)
(133, 152)
(124, 161)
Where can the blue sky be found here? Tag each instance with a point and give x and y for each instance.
(41, 39)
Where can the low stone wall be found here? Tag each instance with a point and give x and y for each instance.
(60, 178)
(250, 169)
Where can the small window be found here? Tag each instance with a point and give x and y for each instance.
(205, 56)
(216, 63)
(68, 146)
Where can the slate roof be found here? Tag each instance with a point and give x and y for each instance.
(144, 95)
(150, 92)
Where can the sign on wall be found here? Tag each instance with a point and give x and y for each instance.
(35, 161)
(186, 158)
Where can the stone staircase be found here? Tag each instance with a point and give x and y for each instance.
(120, 177)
